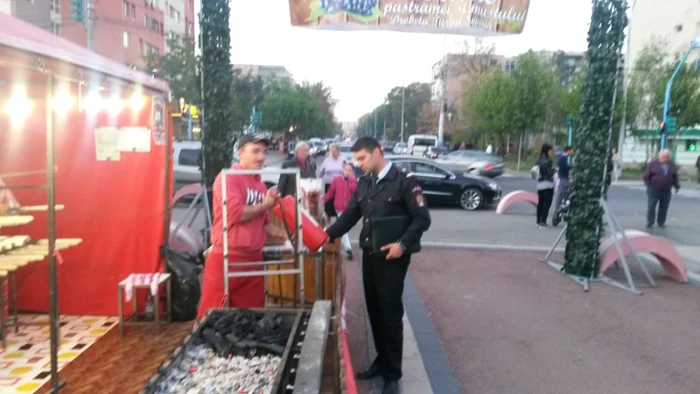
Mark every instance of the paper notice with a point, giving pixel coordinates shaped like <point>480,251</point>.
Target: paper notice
<point>107,143</point>
<point>134,139</point>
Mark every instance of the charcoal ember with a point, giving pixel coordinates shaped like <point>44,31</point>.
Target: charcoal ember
<point>245,333</point>
<point>202,371</point>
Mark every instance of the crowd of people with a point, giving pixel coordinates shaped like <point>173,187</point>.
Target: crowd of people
<point>660,177</point>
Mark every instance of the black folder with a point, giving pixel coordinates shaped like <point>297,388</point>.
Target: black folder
<point>387,230</point>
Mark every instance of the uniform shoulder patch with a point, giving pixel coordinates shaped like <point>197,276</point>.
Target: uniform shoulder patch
<point>420,200</point>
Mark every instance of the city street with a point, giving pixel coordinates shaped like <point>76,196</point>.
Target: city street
<point>515,229</point>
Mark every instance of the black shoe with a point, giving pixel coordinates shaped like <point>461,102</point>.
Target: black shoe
<point>391,387</point>
<point>650,225</point>
<point>370,373</point>
<point>349,254</point>
<point>662,225</point>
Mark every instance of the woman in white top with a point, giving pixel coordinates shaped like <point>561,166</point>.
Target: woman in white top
<point>331,167</point>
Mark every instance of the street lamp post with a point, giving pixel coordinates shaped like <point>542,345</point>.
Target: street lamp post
<point>667,98</point>
<point>403,107</point>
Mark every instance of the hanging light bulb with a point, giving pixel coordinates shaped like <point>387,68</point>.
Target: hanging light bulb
<point>115,104</point>
<point>136,101</point>
<point>18,106</point>
<point>63,101</point>
<point>93,103</point>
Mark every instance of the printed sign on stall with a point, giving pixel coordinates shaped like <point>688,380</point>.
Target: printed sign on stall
<point>468,17</point>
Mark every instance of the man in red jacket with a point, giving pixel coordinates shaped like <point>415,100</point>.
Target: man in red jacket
<point>247,204</point>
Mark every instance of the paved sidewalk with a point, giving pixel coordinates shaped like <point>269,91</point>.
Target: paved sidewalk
<point>511,324</point>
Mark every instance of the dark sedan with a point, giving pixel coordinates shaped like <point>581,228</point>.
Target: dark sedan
<point>444,187</point>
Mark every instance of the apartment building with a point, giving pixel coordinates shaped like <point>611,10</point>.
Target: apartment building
<point>124,30</point>
<point>266,73</point>
<point>677,21</point>
<point>456,70</point>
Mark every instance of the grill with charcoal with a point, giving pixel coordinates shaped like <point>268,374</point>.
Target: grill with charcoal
<point>241,351</point>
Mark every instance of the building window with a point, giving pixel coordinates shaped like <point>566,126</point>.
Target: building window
<point>678,28</point>
<point>126,8</point>
<point>56,28</point>
<point>133,12</point>
<point>175,14</point>
<point>191,4</point>
<point>126,39</point>
<point>142,49</point>
<point>56,6</point>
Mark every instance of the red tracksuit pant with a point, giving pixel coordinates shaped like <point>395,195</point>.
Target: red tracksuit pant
<point>244,292</point>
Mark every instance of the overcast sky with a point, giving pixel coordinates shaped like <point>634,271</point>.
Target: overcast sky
<point>362,67</point>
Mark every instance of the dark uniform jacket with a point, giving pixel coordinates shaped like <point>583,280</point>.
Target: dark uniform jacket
<point>395,194</point>
<point>288,185</point>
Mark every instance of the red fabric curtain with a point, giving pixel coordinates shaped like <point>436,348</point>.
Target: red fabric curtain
<point>116,207</point>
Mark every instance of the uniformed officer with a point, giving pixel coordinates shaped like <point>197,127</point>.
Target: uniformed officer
<point>384,191</point>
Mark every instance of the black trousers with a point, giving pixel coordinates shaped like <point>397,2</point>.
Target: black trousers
<point>663,200</point>
<point>544,202</point>
<point>383,282</point>
<point>328,207</point>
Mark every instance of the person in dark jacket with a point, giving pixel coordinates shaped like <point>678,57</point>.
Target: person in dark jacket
<point>545,184</point>
<point>609,172</point>
<point>563,169</point>
<point>661,175</point>
<point>384,191</point>
<point>301,160</point>
<point>697,165</point>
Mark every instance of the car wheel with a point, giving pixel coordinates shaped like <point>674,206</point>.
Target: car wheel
<point>471,199</point>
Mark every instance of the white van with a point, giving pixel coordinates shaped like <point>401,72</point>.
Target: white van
<point>418,143</point>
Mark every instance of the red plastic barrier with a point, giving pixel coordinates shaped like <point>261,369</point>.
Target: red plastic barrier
<point>314,235</point>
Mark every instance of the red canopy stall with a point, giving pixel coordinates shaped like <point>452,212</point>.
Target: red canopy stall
<point>111,136</point>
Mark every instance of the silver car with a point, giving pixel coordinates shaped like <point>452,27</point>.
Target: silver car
<point>473,161</point>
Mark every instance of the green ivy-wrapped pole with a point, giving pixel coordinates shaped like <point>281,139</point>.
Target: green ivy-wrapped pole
<point>217,82</point>
<point>585,226</point>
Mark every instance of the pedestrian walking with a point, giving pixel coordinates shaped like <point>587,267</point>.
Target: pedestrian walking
<point>331,168</point>
<point>563,173</point>
<point>660,177</point>
<point>609,173</point>
<point>617,165</point>
<point>544,174</point>
<point>287,184</point>
<point>384,193</point>
<point>338,195</point>
<point>247,204</point>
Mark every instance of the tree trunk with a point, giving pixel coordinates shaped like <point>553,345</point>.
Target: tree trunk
<point>520,150</point>
<point>585,225</point>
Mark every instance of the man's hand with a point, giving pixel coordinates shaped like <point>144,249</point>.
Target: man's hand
<point>275,234</point>
<point>270,197</point>
<point>395,251</point>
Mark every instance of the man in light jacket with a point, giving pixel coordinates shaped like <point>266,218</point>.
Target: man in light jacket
<point>661,175</point>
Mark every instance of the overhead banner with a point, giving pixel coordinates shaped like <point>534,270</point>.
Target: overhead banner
<point>468,17</point>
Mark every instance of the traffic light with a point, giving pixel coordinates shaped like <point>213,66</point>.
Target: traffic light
<point>77,8</point>
<point>692,146</point>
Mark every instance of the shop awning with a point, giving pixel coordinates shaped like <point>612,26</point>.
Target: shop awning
<point>52,54</point>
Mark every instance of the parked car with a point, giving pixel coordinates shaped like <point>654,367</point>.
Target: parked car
<point>473,161</point>
<point>433,152</point>
<point>186,164</point>
<point>388,146</point>
<point>401,148</point>
<point>346,152</point>
<point>443,187</point>
<point>418,143</point>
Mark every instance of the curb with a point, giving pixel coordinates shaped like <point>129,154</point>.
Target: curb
<point>509,248</point>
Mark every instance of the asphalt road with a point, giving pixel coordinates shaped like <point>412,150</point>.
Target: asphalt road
<point>516,226</point>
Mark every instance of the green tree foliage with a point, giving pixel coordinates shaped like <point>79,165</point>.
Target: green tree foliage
<point>534,80</point>
<point>416,95</point>
<point>585,226</point>
<point>179,67</point>
<point>488,105</point>
<point>247,92</point>
<point>685,94</point>
<point>295,111</point>
<point>217,142</point>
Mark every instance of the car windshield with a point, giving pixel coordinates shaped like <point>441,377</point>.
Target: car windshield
<point>345,148</point>
<point>424,142</point>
